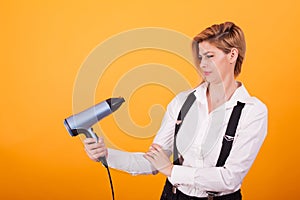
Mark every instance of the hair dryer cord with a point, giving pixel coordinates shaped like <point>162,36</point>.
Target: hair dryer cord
<point>111,184</point>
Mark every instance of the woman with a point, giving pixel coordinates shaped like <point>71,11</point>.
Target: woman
<point>219,52</point>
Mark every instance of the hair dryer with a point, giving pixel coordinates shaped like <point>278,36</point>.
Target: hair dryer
<point>82,122</point>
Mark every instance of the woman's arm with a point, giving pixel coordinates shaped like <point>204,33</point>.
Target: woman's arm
<point>135,163</point>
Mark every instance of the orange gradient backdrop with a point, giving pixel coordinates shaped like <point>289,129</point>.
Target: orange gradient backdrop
<point>44,43</point>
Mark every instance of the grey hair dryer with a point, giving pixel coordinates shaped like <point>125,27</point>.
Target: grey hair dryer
<point>82,122</point>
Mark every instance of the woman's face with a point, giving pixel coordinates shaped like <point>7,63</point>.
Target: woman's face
<point>215,65</point>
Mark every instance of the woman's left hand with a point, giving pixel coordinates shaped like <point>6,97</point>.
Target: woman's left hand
<point>158,158</point>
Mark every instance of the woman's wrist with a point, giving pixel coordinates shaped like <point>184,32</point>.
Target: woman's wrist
<point>168,170</point>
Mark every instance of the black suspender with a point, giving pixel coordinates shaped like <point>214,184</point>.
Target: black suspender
<point>183,111</point>
<point>230,133</point>
<point>228,137</point>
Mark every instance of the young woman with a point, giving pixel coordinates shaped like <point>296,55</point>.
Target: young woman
<point>219,52</point>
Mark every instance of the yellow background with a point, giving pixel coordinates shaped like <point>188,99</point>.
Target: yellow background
<point>43,44</point>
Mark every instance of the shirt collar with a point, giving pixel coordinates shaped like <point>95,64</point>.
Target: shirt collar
<point>200,92</point>
<point>240,94</point>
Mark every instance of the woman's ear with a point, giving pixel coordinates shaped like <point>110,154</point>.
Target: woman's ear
<point>233,55</point>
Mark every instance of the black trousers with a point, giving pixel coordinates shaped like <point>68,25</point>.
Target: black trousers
<point>167,194</point>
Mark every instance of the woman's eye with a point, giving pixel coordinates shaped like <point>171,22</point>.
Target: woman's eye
<point>209,56</point>
<point>200,57</point>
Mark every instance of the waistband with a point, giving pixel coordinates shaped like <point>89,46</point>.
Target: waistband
<point>232,196</point>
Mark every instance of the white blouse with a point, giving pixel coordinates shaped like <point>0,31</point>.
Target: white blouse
<point>199,141</point>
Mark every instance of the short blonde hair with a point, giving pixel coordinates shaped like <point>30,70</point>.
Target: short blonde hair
<point>224,36</point>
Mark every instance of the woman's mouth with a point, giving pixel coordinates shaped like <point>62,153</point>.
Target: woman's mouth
<point>206,73</point>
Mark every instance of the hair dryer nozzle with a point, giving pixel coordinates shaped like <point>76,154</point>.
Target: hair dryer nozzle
<point>115,103</point>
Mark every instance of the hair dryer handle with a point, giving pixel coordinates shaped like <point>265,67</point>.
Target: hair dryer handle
<point>91,134</point>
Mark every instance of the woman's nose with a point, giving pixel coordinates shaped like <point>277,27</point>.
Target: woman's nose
<point>203,63</point>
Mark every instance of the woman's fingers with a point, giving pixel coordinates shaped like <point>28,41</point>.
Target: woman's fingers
<point>156,147</point>
<point>89,140</point>
<point>158,158</point>
<point>95,150</point>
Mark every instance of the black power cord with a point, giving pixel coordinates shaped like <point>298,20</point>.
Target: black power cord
<point>110,181</point>
<point>103,161</point>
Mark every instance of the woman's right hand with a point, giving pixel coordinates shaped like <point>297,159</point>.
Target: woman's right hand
<point>95,150</point>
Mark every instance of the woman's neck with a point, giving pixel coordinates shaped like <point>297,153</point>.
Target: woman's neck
<point>218,94</point>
